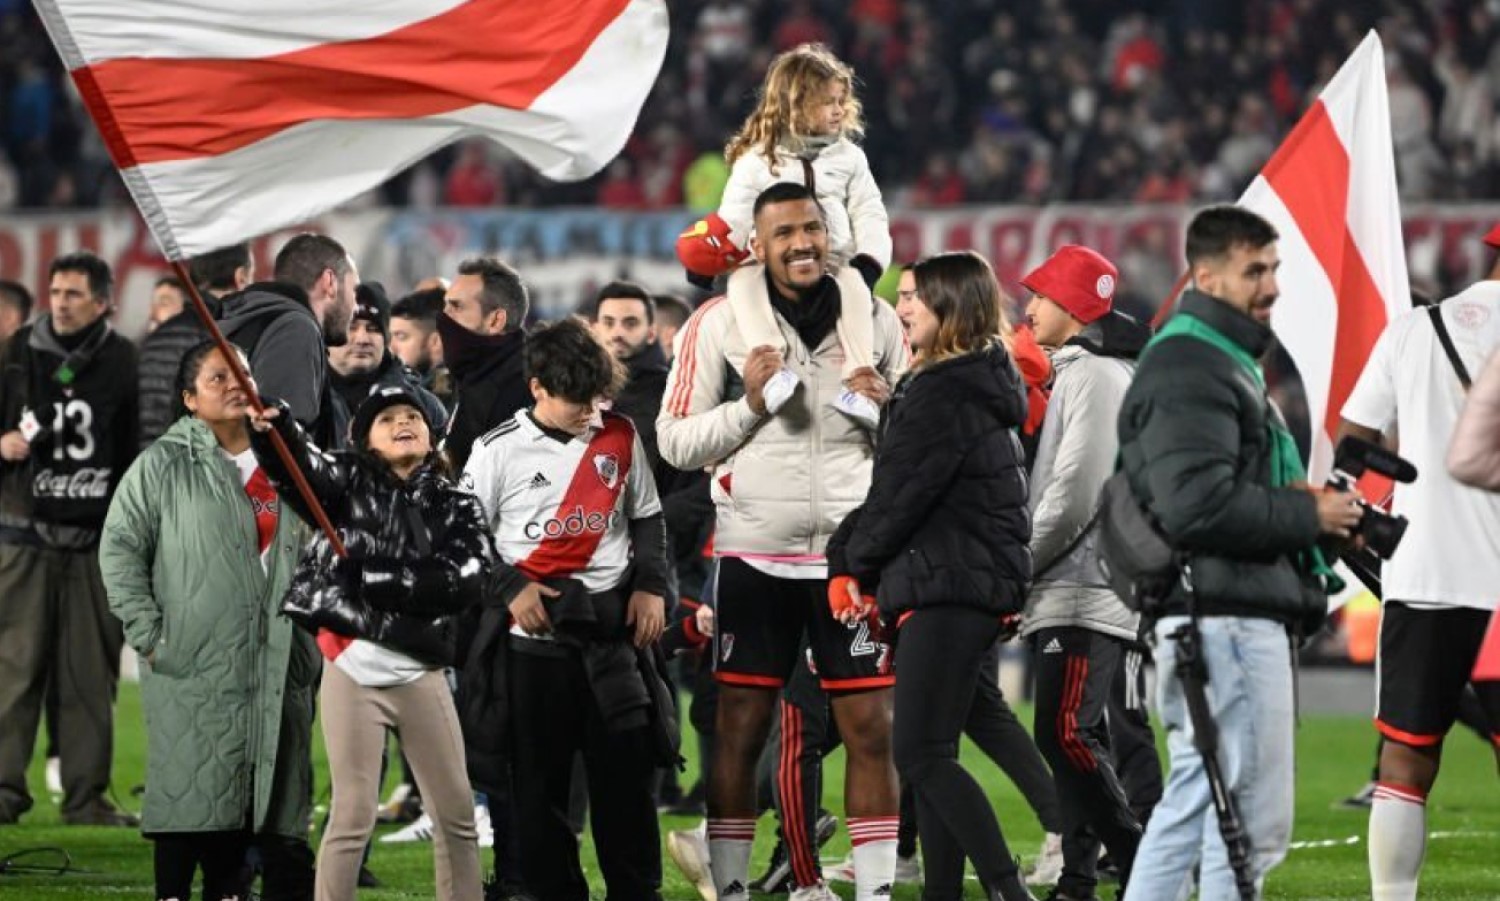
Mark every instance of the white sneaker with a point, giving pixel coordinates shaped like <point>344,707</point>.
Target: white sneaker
<point>420,831</point>
<point>908,870</point>
<point>818,891</point>
<point>843,871</point>
<point>483,826</point>
<point>689,850</point>
<point>858,408</point>
<point>54,778</point>
<point>1049,862</point>
<point>779,389</point>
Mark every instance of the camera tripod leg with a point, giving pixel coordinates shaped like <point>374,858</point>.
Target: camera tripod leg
<point>1192,671</point>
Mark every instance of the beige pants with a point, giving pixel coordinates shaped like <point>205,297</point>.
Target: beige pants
<point>355,718</point>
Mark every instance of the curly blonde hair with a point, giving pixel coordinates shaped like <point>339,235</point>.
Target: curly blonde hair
<point>788,100</point>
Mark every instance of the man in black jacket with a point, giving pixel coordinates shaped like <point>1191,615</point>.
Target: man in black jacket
<point>1211,459</point>
<point>67,434</point>
<point>364,364</point>
<point>624,320</point>
<point>216,274</point>
<point>415,341</point>
<point>286,326</point>
<point>480,327</point>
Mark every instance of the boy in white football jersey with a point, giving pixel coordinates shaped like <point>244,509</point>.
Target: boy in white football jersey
<point>568,494</point>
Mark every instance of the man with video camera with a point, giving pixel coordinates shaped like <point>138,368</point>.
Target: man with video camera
<point>1209,458</point>
<point>1440,584</point>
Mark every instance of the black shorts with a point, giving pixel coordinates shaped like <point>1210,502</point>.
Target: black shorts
<point>1426,658</point>
<point>759,624</point>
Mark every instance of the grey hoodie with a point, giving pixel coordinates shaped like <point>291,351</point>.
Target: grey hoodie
<point>289,359</point>
<point>1075,455</point>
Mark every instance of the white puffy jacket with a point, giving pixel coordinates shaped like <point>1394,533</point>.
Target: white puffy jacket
<point>783,483</point>
<point>841,179</point>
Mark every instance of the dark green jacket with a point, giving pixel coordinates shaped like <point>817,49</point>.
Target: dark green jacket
<point>229,697</point>
<point>1196,447</point>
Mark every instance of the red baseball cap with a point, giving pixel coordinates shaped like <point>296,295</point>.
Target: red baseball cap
<point>1493,238</point>
<point>1077,279</point>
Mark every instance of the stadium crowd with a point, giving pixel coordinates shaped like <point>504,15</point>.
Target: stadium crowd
<point>969,101</point>
<point>510,543</point>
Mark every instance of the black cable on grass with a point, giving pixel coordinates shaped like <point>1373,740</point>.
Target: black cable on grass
<point>60,865</point>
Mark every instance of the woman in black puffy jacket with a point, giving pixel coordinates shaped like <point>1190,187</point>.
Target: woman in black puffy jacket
<point>942,541</point>
<point>384,616</point>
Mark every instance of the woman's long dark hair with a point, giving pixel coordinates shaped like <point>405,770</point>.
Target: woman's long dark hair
<point>187,373</point>
<point>963,294</point>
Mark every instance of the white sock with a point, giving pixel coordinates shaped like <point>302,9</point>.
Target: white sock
<point>1398,841</point>
<point>874,841</point>
<point>729,844</point>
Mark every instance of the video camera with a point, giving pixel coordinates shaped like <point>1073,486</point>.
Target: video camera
<point>1353,458</point>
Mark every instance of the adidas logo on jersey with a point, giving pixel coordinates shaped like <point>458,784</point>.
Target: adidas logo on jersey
<point>539,481</point>
<point>1053,647</point>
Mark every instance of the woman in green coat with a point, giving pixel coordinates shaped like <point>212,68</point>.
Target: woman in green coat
<point>196,554</point>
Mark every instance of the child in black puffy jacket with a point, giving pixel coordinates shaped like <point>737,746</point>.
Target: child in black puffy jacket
<point>384,615</point>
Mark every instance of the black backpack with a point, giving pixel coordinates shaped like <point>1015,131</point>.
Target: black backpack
<point>1135,557</point>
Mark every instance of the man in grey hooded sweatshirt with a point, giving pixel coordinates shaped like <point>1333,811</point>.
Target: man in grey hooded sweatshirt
<point>1081,632</point>
<point>287,325</point>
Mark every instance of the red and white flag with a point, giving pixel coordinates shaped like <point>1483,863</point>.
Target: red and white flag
<point>1330,190</point>
<point>230,119</point>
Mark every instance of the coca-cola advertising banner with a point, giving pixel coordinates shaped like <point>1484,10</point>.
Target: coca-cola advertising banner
<point>565,253</point>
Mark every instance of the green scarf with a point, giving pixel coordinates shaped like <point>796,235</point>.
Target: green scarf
<point>1286,461</point>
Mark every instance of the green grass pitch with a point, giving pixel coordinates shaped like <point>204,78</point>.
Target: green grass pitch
<point>1333,758</point>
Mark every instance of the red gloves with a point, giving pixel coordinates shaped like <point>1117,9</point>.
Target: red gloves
<point>842,591</point>
<point>705,249</point>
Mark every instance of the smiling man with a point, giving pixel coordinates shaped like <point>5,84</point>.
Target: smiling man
<point>364,364</point>
<point>785,475</point>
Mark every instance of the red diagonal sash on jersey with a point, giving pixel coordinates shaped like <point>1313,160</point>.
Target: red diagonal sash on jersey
<point>591,496</point>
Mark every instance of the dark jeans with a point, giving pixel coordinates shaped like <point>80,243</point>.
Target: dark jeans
<point>287,871</point>
<point>995,730</point>
<point>221,856</point>
<point>938,657</point>
<point>554,716</point>
<point>1076,672</point>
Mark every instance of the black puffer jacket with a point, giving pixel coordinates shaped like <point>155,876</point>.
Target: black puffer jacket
<point>945,522</point>
<point>1195,447</point>
<point>419,552</point>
